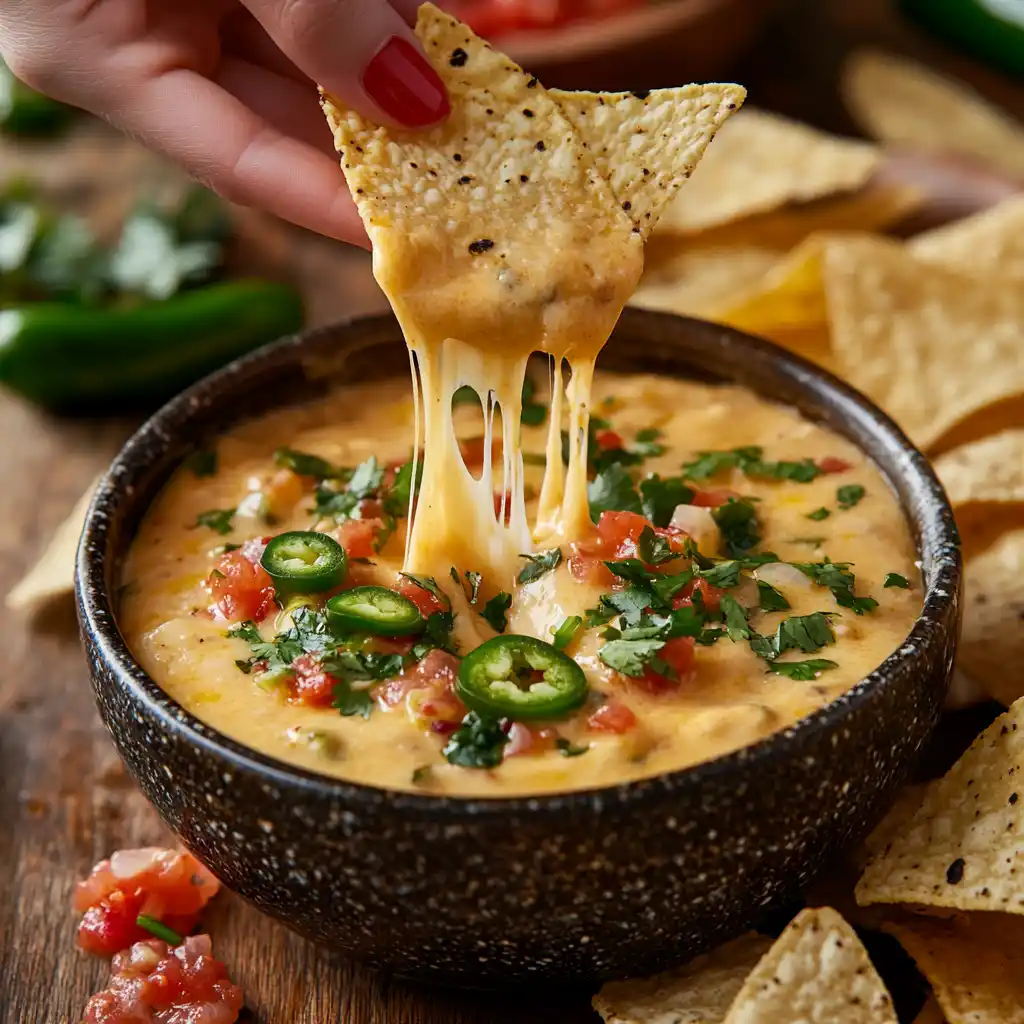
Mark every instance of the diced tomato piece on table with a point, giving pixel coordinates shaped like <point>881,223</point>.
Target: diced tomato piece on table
<point>154,982</point>
<point>168,885</point>
<point>241,588</point>
<point>612,717</point>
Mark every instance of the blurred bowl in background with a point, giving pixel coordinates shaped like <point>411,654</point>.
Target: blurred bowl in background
<point>662,44</point>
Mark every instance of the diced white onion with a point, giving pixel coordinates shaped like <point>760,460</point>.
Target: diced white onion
<point>697,523</point>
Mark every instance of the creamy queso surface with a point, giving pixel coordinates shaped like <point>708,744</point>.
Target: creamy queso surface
<point>196,607</point>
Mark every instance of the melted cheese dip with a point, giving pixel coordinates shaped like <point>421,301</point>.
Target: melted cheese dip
<point>727,701</point>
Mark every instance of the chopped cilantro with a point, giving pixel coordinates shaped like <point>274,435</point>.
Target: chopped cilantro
<point>396,500</point>
<point>805,633</point>
<point>771,600</point>
<point>659,497</point>
<point>803,670</point>
<point>653,549</point>
<point>836,576</point>
<point>350,702</point>
<point>735,619</point>
<point>340,505</point>
<point>540,564</point>
<point>630,657</point>
<point>307,465</point>
<point>217,519</point>
<point>818,514</point>
<point>722,574</point>
<point>477,743</point>
<point>437,635</point>
<point>202,463</point>
<point>612,490</point>
<point>496,611</point>
<point>737,521</point>
<point>849,495</point>
<point>894,579</point>
<point>473,579</point>
<point>750,462</point>
<point>568,749</point>
<point>366,478</point>
<point>647,444</point>
<point>566,632</point>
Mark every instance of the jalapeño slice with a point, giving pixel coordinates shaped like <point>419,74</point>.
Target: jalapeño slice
<point>304,562</point>
<point>520,677</point>
<point>374,610</point>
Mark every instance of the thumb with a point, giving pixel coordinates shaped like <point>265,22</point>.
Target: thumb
<point>360,51</point>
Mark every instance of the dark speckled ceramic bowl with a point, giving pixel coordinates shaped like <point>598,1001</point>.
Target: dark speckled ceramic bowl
<point>583,886</point>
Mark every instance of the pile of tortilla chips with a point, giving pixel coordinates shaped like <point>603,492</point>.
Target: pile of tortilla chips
<point>932,328</point>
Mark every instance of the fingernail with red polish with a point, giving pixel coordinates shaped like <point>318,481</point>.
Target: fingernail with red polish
<point>404,85</point>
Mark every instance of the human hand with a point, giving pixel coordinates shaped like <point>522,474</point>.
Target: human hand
<point>226,88</point>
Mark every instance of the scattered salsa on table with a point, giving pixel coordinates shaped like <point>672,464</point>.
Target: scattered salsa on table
<point>741,568</point>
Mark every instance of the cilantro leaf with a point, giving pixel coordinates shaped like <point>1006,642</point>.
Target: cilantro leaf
<point>540,564</point>
<point>630,657</point>
<point>217,519</point>
<point>894,579</point>
<point>709,464</point>
<point>818,514</point>
<point>647,443</point>
<point>659,497</point>
<point>630,569</point>
<point>396,500</point>
<point>569,749</point>
<point>750,462</point>
<point>202,463</point>
<point>666,587</point>
<point>849,495</point>
<point>722,574</point>
<point>653,549</point>
<point>496,611</point>
<point>612,490</point>
<point>566,632</point>
<point>351,702</point>
<point>366,478</point>
<point>803,670</point>
<point>805,633</point>
<point>436,635</point>
<point>735,619</point>
<point>477,743</point>
<point>771,600</point>
<point>836,576</point>
<point>305,464</point>
<point>737,521</point>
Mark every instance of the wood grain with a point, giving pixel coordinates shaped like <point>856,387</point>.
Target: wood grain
<point>64,799</point>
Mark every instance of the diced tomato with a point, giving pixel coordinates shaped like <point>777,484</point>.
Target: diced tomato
<point>240,587</point>
<point>428,691</point>
<point>713,498</point>
<point>357,536</point>
<point>833,464</point>
<point>678,655</point>
<point>422,598</point>
<point>616,537</point>
<point>169,885</point>
<point>712,595</point>
<point>525,739</point>
<point>609,439</point>
<point>588,567</point>
<point>612,717</point>
<point>152,982</point>
<point>310,684</point>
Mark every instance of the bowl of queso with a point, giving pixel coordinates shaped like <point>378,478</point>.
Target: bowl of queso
<point>590,754</point>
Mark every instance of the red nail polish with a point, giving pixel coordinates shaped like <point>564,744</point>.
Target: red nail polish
<point>404,85</point>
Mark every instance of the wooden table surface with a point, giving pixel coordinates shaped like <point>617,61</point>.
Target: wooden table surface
<point>65,801</point>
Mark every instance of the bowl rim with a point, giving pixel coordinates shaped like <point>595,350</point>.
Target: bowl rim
<point>934,524</point>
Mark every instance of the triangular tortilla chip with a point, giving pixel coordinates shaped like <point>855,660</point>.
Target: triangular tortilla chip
<point>699,993</point>
<point>895,100</point>
<point>990,243</point>
<point>963,846</point>
<point>760,162</point>
<point>647,144</point>
<point>988,470</point>
<point>975,964</point>
<point>992,638</point>
<point>816,973</point>
<point>932,347</point>
<point>53,575</point>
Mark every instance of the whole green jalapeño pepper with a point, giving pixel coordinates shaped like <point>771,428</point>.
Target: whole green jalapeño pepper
<point>304,562</point>
<point>519,677</point>
<point>70,358</point>
<point>374,610</point>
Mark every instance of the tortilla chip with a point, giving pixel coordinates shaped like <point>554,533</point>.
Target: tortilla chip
<point>818,971</point>
<point>930,1013</point>
<point>761,162</point>
<point>990,243</point>
<point>698,281</point>
<point>962,847</point>
<point>992,638</point>
<point>699,993</point>
<point>988,470</point>
<point>975,964</point>
<point>897,101</point>
<point>53,576</point>
<point>932,347</point>
<point>646,145</point>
